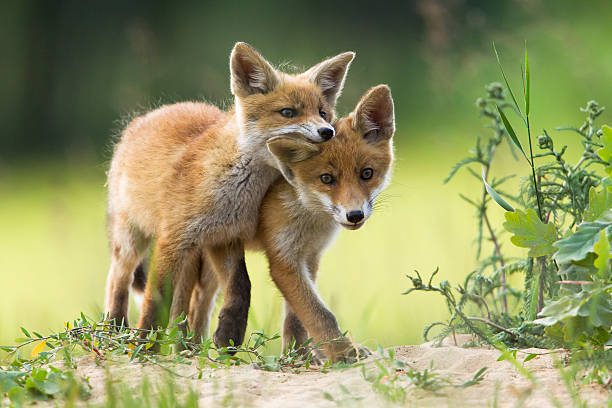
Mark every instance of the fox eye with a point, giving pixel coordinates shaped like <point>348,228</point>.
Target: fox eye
<point>367,174</point>
<point>288,112</point>
<point>323,114</point>
<point>327,178</point>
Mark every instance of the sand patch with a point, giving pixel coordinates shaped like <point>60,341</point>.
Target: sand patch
<point>245,386</point>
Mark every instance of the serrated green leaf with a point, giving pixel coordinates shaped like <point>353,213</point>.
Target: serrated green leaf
<point>562,308</point>
<point>530,232</point>
<point>578,245</point>
<point>495,195</point>
<point>581,316</point>
<point>600,200</point>
<point>578,270</point>
<point>605,152</point>
<point>510,131</point>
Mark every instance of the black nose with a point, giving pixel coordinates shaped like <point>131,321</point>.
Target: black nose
<point>326,133</point>
<point>354,216</point>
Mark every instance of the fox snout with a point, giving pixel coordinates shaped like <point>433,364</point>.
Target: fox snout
<point>354,216</point>
<point>316,132</point>
<point>351,218</point>
<point>326,133</point>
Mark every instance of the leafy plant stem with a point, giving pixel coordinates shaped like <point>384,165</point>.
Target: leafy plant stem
<point>542,262</point>
<point>533,173</point>
<point>533,282</point>
<point>492,324</point>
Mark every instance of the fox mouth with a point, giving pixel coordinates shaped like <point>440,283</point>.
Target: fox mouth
<point>353,226</point>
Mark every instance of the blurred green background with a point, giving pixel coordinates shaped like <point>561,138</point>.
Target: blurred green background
<point>72,71</point>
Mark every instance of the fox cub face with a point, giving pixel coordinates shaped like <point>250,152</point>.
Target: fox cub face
<point>344,176</point>
<point>271,103</point>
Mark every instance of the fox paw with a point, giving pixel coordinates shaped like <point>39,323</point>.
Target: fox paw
<point>230,330</point>
<point>354,354</point>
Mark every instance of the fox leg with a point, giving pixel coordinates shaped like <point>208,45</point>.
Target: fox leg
<point>183,283</point>
<point>203,300</point>
<point>128,245</point>
<point>170,283</point>
<point>294,282</point>
<point>140,281</point>
<point>293,329</point>
<point>292,326</point>
<point>229,265</point>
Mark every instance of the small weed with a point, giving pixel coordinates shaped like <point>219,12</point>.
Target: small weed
<point>39,376</point>
<point>394,378</point>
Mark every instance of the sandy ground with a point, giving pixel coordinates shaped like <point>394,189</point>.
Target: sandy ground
<point>245,386</point>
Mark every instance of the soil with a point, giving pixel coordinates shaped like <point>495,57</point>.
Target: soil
<point>246,386</point>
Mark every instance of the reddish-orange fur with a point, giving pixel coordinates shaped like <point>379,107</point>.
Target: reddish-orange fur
<point>192,177</point>
<point>298,220</point>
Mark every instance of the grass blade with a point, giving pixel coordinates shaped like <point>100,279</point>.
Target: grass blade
<point>527,82</point>
<point>495,196</point>
<point>505,79</point>
<point>510,131</point>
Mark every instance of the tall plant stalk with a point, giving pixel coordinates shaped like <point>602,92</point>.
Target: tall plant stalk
<point>526,77</point>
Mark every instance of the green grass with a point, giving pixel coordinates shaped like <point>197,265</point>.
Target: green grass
<point>55,252</point>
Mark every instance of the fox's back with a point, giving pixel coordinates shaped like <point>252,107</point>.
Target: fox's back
<point>146,157</point>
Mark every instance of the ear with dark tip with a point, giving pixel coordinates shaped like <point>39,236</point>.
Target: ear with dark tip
<point>250,72</point>
<point>374,115</point>
<point>288,150</point>
<point>329,75</point>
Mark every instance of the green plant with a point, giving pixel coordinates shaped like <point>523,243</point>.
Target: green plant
<point>49,369</point>
<point>564,220</point>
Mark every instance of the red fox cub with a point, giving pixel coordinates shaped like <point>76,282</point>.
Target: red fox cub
<point>326,186</point>
<point>193,177</point>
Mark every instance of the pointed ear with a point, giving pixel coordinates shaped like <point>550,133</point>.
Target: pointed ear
<point>288,150</point>
<point>374,115</point>
<point>250,72</point>
<point>329,75</point>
